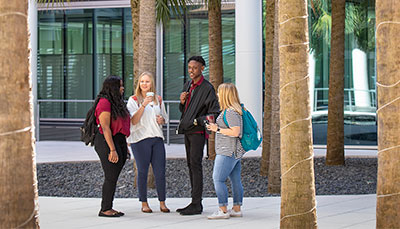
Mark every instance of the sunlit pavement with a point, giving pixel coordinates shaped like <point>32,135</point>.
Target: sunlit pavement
<point>342,211</point>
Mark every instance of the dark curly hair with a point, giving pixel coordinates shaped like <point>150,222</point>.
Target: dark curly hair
<point>111,92</point>
<point>198,59</point>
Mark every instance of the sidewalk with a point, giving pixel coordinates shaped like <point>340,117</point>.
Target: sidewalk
<point>356,211</point>
<point>343,211</point>
<point>61,151</point>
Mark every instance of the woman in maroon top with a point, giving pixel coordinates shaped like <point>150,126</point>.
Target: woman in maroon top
<point>110,141</point>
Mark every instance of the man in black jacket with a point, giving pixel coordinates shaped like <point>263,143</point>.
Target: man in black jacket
<point>198,100</point>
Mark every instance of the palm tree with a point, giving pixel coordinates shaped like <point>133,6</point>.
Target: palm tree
<point>335,135</point>
<point>18,192</point>
<point>298,209</point>
<point>147,36</point>
<point>145,16</point>
<point>135,36</point>
<point>269,48</point>
<point>274,173</point>
<point>216,71</point>
<point>388,84</point>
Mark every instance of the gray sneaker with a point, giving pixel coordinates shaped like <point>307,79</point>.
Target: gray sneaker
<point>233,213</point>
<point>219,215</point>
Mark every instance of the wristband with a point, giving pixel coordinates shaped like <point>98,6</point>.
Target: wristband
<point>218,130</point>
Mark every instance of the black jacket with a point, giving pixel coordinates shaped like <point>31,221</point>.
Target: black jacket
<point>203,102</point>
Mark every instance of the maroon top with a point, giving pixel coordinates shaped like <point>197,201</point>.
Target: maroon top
<point>192,87</point>
<point>121,125</point>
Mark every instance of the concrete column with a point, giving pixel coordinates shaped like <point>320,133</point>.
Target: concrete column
<point>248,58</point>
<point>362,97</point>
<point>33,41</point>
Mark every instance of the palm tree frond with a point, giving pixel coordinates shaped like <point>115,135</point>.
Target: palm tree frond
<point>166,8</point>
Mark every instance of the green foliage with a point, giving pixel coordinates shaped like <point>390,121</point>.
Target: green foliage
<point>361,25</point>
<point>166,8</point>
<point>357,22</point>
<point>321,23</point>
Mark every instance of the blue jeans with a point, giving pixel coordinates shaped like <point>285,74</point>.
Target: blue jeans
<point>146,151</point>
<point>225,167</point>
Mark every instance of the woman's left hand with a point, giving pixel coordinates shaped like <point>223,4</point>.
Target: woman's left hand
<point>212,127</point>
<point>113,156</point>
<point>160,120</point>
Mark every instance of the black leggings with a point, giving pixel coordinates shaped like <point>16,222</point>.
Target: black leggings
<point>111,170</point>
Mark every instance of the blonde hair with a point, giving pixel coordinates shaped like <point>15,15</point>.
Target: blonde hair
<point>138,90</point>
<point>228,97</point>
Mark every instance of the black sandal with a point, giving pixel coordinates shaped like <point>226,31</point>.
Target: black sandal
<point>114,214</point>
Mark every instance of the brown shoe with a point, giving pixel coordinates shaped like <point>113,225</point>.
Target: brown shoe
<point>148,210</point>
<point>165,210</point>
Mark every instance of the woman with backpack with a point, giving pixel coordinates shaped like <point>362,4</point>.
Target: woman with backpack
<point>147,112</point>
<point>229,150</point>
<point>110,141</point>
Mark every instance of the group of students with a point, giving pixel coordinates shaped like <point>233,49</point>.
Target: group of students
<point>139,124</point>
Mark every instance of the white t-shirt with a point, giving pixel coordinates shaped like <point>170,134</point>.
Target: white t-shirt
<point>147,127</point>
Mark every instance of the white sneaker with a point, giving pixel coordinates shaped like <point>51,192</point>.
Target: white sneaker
<point>233,213</point>
<point>219,215</point>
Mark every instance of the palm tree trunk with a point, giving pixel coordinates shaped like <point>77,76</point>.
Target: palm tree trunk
<point>335,135</point>
<point>388,85</point>
<point>269,49</point>
<point>147,36</point>
<point>147,50</point>
<point>298,209</point>
<point>17,170</point>
<point>135,36</point>
<point>274,173</point>
<point>215,56</point>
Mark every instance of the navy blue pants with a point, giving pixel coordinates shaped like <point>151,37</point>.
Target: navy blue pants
<point>146,151</point>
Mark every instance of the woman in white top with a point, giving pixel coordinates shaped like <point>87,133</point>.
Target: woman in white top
<point>148,114</point>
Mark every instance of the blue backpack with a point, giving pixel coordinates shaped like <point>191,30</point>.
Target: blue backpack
<point>251,137</point>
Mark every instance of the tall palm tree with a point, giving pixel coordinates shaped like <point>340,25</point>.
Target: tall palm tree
<point>145,16</point>
<point>135,36</point>
<point>18,192</point>
<point>335,135</point>
<point>274,173</point>
<point>216,70</point>
<point>298,209</point>
<point>269,49</point>
<point>388,84</point>
<point>147,36</point>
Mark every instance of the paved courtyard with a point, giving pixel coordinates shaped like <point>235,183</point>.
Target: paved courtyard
<point>342,211</point>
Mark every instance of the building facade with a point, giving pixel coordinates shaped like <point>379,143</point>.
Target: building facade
<point>81,43</point>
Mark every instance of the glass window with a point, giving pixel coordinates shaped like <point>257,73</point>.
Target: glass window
<point>109,44</point>
<point>359,75</point>
<point>181,42</point>
<point>78,76</point>
<point>128,56</point>
<point>50,63</point>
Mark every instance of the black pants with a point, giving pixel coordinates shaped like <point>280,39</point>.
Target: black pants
<point>194,144</point>
<point>111,170</point>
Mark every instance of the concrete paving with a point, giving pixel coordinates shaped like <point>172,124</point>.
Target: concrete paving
<point>351,211</point>
<point>62,151</point>
<point>342,211</point>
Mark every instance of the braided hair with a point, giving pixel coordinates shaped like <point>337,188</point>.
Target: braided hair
<point>111,91</point>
